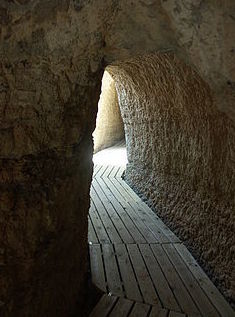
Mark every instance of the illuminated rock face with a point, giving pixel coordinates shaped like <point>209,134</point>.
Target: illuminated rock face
<point>109,125</point>
<point>52,55</point>
<point>181,154</point>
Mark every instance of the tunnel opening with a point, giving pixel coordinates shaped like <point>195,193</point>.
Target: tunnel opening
<point>109,134</point>
<point>181,143</point>
<point>109,124</point>
<point>173,136</point>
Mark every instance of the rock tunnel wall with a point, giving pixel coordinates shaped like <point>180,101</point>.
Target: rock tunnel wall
<point>181,153</point>
<point>52,54</point>
<point>109,125</point>
<point>49,90</point>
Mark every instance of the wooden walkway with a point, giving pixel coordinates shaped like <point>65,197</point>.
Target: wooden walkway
<point>139,263</point>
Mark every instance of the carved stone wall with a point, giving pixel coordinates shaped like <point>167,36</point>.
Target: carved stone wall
<point>181,152</point>
<point>52,55</point>
<point>109,126</point>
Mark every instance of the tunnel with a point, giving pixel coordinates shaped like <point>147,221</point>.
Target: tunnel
<point>171,128</point>
<point>152,79</point>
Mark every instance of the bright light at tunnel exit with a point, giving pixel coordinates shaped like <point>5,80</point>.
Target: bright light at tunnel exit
<point>116,156</point>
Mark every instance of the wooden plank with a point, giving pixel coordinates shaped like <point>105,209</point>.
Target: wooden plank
<point>121,187</point>
<point>104,216</point>
<point>140,310</point>
<point>122,308</point>
<point>146,286</point>
<point>164,291</point>
<point>187,282</point>
<point>184,299</point>
<point>113,278</point>
<point>114,172</point>
<point>148,235</point>
<point>133,196</point>
<point>205,283</point>
<point>128,277</point>
<point>92,238</point>
<point>98,225</point>
<point>120,172</point>
<point>117,221</point>
<point>130,225</point>
<point>102,171</point>
<point>104,306</point>
<point>199,297</point>
<point>144,216</point>
<point>97,267</point>
<point>96,169</point>
<point>108,171</point>
<point>129,191</point>
<point>165,230</point>
<point>164,233</point>
<point>158,312</point>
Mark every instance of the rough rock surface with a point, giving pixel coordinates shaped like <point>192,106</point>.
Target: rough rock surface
<point>200,32</point>
<point>181,153</point>
<point>49,90</point>
<point>51,57</point>
<point>109,125</point>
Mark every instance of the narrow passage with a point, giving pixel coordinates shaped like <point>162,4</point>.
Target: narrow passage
<point>138,262</point>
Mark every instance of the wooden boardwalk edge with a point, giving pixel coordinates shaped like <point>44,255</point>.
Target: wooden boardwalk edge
<point>138,262</point>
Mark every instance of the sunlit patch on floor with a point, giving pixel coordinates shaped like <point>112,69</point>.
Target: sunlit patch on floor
<point>116,156</point>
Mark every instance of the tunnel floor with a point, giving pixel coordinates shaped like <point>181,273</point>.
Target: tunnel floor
<point>136,260</point>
